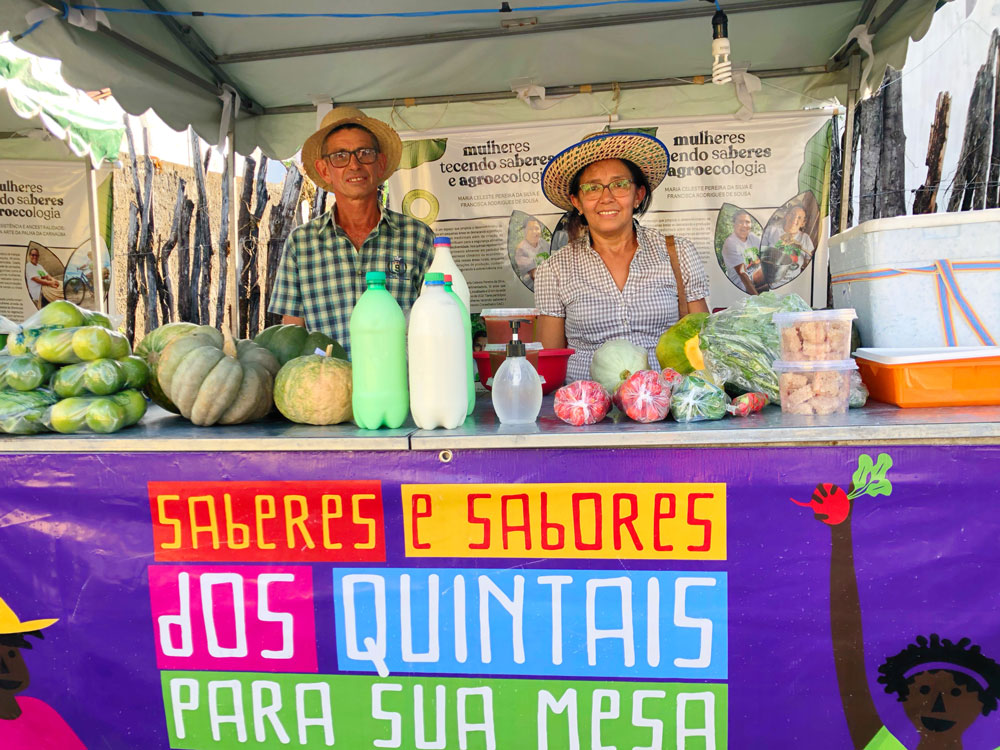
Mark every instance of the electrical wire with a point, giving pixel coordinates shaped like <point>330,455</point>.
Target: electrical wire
<point>504,8</point>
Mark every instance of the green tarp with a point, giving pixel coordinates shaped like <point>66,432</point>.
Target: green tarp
<point>35,90</point>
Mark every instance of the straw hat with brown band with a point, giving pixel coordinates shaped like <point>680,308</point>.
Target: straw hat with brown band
<point>387,138</point>
<point>645,151</point>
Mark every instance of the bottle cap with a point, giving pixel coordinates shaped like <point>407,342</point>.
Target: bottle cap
<point>375,277</point>
<point>442,241</point>
<point>434,278</point>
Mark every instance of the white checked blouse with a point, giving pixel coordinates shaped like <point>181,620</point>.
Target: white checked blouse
<point>575,284</point>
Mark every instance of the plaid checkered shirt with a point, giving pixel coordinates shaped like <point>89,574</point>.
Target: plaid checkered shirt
<point>321,274</point>
<point>575,284</point>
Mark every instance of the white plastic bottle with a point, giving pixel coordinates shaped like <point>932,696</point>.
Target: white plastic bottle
<point>437,358</point>
<point>517,388</point>
<point>445,264</point>
<point>467,322</point>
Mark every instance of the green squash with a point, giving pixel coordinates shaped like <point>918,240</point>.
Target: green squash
<point>151,349</point>
<point>286,342</point>
<point>26,372</point>
<point>679,346</point>
<point>314,389</point>
<point>216,381</point>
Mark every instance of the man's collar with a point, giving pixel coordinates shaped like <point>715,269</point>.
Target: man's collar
<point>385,215</point>
<point>389,218</point>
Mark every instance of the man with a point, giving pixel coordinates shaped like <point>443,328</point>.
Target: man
<point>324,262</point>
<point>733,252</point>
<point>37,277</point>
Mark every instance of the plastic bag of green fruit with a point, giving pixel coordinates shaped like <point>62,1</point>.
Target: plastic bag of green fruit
<point>24,372</point>
<point>21,337</point>
<point>100,414</point>
<point>83,344</point>
<point>23,412</point>
<point>100,377</point>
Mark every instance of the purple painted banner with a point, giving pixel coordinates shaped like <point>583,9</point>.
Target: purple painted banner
<point>537,599</point>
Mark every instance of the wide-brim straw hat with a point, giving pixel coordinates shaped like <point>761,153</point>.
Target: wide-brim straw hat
<point>646,152</point>
<point>11,624</point>
<point>388,141</point>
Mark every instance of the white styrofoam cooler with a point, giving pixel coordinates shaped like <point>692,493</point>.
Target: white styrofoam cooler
<point>905,309</point>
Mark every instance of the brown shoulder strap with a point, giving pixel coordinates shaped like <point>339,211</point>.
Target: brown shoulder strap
<point>675,265</point>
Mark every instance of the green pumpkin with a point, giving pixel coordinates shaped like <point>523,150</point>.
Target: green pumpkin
<point>151,348</point>
<point>314,389</point>
<point>679,346</point>
<point>216,381</point>
<point>286,342</point>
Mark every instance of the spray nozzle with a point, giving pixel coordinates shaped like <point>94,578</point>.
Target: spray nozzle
<point>516,347</point>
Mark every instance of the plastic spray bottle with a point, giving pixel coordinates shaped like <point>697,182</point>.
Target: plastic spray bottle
<point>380,395</point>
<point>517,387</point>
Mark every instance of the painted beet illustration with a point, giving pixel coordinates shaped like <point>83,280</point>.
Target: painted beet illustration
<point>832,505</point>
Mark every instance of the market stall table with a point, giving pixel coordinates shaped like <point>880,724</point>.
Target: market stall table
<point>523,586</point>
<point>876,423</point>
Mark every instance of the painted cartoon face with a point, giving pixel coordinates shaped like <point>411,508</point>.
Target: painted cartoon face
<point>13,671</point>
<point>741,226</point>
<point>937,705</point>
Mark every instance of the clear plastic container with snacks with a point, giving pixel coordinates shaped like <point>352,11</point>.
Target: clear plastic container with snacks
<point>819,388</point>
<point>815,336</point>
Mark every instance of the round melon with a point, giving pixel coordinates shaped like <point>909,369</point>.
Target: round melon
<point>314,389</point>
<point>286,342</point>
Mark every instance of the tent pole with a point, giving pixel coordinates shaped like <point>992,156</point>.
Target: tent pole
<point>95,239</point>
<point>233,268</point>
<point>847,156</point>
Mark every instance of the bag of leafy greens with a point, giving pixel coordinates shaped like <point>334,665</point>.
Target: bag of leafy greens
<point>741,343</point>
<point>696,400</point>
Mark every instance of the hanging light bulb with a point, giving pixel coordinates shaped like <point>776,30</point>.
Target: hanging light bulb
<point>722,66</point>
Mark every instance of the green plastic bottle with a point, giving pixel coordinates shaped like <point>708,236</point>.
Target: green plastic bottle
<point>471,365</point>
<point>380,395</point>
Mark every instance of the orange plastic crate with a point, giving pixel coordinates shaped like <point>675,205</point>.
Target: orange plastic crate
<point>951,382</point>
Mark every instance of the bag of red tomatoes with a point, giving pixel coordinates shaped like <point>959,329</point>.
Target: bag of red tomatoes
<point>582,402</point>
<point>645,396</point>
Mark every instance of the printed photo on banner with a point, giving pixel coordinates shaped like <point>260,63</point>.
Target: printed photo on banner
<point>737,248</point>
<point>789,240</point>
<point>528,245</point>
<point>482,189</point>
<point>45,230</point>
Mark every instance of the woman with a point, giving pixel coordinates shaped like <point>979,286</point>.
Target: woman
<point>791,234</point>
<point>613,279</point>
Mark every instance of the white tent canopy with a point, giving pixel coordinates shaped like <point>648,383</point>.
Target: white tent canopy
<point>458,67</point>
